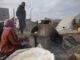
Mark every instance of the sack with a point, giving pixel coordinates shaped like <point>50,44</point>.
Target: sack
<point>32,54</point>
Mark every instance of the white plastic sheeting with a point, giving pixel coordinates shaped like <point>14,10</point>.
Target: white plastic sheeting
<point>32,54</point>
<point>65,24</point>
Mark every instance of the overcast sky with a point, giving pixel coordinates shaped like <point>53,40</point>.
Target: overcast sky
<point>45,8</point>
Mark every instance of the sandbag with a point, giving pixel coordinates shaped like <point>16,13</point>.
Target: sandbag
<point>32,54</point>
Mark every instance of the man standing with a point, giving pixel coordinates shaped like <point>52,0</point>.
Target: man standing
<point>21,15</point>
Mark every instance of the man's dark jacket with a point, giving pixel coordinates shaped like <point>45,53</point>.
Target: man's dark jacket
<point>21,14</point>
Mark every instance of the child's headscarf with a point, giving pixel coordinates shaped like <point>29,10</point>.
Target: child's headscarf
<point>9,23</point>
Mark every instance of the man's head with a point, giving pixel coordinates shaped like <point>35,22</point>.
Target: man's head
<point>23,3</point>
